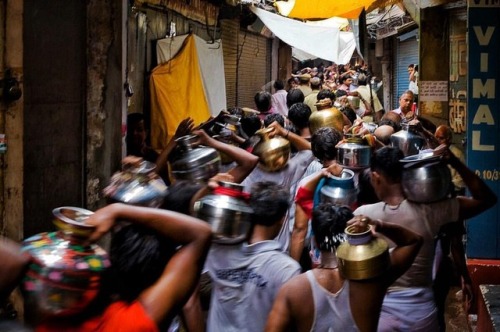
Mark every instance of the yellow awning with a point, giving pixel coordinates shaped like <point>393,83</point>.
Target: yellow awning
<point>321,9</point>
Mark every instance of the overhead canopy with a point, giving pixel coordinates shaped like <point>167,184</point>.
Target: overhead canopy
<point>318,9</point>
<point>322,39</point>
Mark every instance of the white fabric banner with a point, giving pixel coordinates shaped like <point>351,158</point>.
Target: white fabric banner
<point>211,63</point>
<point>323,39</point>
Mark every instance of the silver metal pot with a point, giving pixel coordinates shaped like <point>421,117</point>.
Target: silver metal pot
<point>426,181</point>
<point>338,190</point>
<point>227,212</point>
<point>195,163</point>
<point>353,154</point>
<point>407,140</point>
<point>136,185</point>
<point>354,101</point>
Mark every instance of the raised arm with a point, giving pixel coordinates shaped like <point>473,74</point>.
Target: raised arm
<point>182,272</point>
<point>245,160</point>
<point>482,198</point>
<point>184,128</point>
<point>299,142</point>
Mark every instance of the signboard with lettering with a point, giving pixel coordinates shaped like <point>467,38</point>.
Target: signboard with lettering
<point>483,138</point>
<point>433,90</point>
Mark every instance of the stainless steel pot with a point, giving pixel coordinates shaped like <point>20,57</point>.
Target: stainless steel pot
<point>407,140</point>
<point>337,190</point>
<point>354,101</point>
<point>195,163</point>
<point>136,185</point>
<point>227,212</point>
<point>426,181</point>
<point>354,154</point>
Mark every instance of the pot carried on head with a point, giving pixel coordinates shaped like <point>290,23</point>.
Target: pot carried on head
<point>330,117</point>
<point>273,152</point>
<point>195,163</point>
<point>354,153</point>
<point>137,184</point>
<point>362,256</point>
<point>407,140</point>
<point>227,211</point>
<point>65,273</point>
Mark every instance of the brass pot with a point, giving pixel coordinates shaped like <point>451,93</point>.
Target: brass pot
<point>362,256</point>
<point>273,152</point>
<point>330,117</point>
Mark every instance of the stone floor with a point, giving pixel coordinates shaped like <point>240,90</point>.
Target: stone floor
<point>456,318</point>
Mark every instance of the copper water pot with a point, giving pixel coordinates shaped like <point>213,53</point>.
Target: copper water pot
<point>330,117</point>
<point>362,256</point>
<point>273,152</point>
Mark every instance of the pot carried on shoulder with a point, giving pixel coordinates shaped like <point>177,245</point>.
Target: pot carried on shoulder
<point>426,178</point>
<point>339,190</point>
<point>362,256</point>
<point>227,211</point>
<point>65,274</point>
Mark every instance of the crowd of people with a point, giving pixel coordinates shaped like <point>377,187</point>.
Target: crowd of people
<point>285,276</point>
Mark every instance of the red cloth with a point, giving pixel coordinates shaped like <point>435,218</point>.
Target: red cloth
<point>304,199</point>
<point>118,317</point>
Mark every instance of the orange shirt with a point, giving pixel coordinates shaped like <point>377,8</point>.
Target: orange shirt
<point>118,317</point>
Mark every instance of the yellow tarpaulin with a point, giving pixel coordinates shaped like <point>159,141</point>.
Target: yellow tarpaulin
<point>321,9</point>
<point>176,93</point>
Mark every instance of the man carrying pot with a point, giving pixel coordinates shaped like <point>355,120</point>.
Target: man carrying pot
<point>409,303</point>
<point>247,276</point>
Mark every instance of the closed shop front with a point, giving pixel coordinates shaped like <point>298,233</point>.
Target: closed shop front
<point>247,63</point>
<point>406,53</point>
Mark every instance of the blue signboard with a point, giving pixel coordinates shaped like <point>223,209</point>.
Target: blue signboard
<point>483,117</point>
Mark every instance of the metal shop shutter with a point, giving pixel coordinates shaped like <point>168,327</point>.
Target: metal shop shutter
<point>229,35</point>
<point>254,66</point>
<point>406,54</point>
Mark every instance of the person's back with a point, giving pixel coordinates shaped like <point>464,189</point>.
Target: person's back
<point>247,277</point>
<point>409,303</point>
<point>279,98</point>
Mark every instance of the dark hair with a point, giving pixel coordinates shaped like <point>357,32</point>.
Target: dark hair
<point>179,196</point>
<point>328,224</point>
<point>269,202</point>
<point>325,93</point>
<point>386,161</point>
<point>323,143</point>
<point>340,93</point>
<point>250,124</point>
<point>349,113</point>
<point>262,101</point>
<point>279,85</point>
<point>299,115</point>
<point>138,257</point>
<point>294,96</point>
<point>270,118</point>
<point>238,111</point>
<point>389,122</point>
